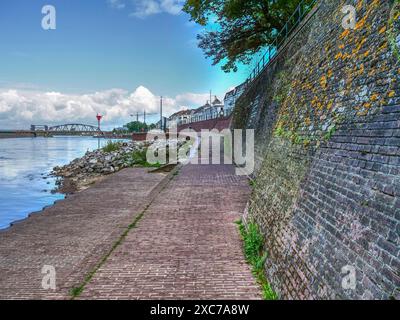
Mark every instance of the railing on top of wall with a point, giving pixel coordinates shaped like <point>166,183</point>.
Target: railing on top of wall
<point>293,22</point>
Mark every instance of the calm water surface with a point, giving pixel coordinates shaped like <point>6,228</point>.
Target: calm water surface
<point>25,164</point>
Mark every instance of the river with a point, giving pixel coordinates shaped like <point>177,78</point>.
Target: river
<point>25,164</point>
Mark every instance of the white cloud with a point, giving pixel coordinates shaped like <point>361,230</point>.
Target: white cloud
<point>116,4</point>
<point>145,8</point>
<point>172,6</point>
<point>21,108</point>
<point>187,99</point>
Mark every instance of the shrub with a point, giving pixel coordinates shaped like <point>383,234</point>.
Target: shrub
<point>253,247</point>
<point>111,146</point>
<point>139,158</point>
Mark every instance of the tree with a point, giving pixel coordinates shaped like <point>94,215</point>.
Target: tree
<point>243,27</point>
<point>152,126</point>
<point>136,126</point>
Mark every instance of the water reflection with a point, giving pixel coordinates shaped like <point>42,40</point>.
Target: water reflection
<point>25,164</point>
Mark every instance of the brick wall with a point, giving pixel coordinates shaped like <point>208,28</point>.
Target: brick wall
<point>141,136</point>
<point>326,115</point>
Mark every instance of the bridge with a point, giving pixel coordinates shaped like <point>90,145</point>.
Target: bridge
<point>60,130</point>
<point>67,129</point>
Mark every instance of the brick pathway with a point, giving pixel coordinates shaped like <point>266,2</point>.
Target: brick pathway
<point>72,235</point>
<point>186,246</point>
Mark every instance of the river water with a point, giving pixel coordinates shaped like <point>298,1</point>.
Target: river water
<point>25,164</point>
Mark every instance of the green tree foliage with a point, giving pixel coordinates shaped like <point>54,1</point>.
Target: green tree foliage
<point>244,27</point>
<point>137,126</point>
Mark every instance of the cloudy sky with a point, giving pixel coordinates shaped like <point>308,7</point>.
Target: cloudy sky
<point>115,57</point>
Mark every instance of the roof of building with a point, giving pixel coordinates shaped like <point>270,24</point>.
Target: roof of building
<point>234,91</point>
<point>180,113</point>
<point>216,101</point>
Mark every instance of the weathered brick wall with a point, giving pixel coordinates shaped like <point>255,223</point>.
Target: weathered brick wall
<point>326,114</point>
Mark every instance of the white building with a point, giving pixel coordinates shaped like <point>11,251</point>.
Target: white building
<point>208,111</point>
<point>231,98</point>
<point>179,118</point>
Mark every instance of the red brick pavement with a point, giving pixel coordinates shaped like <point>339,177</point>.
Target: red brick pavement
<point>73,235</point>
<point>186,246</point>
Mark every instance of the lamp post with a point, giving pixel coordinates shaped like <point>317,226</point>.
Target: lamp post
<point>99,117</point>
<point>161,116</point>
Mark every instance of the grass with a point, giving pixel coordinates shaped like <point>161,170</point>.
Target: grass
<point>252,183</point>
<point>253,247</point>
<point>111,146</point>
<point>391,32</point>
<point>76,291</point>
<point>330,133</point>
<point>139,158</point>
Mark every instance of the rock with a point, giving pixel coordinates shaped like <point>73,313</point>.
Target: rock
<point>98,163</point>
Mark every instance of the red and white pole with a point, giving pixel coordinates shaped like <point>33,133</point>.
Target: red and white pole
<point>99,117</point>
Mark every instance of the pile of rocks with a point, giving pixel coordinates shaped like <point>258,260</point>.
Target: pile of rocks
<point>84,171</point>
<point>95,164</point>
<point>99,162</point>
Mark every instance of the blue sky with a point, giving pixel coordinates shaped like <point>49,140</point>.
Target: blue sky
<point>100,46</point>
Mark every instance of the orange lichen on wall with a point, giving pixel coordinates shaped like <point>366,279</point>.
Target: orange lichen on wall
<point>374,97</point>
<point>345,33</point>
<point>359,4</point>
<point>338,56</point>
<point>383,46</point>
<point>375,4</point>
<point>382,30</point>
<point>391,94</point>
<point>323,81</point>
<point>361,23</point>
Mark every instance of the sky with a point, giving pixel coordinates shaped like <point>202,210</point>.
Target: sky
<point>115,57</point>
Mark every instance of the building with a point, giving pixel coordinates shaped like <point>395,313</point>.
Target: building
<point>208,111</point>
<point>205,112</point>
<point>180,117</point>
<point>231,98</point>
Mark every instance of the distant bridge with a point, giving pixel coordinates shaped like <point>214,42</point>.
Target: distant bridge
<point>71,129</point>
<point>66,129</point>
<point>75,127</point>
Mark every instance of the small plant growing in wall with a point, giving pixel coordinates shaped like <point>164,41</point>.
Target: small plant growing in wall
<point>330,133</point>
<point>283,87</point>
<point>393,33</point>
<point>253,247</point>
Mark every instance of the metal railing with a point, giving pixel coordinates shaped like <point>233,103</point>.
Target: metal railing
<point>206,116</point>
<point>293,22</point>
